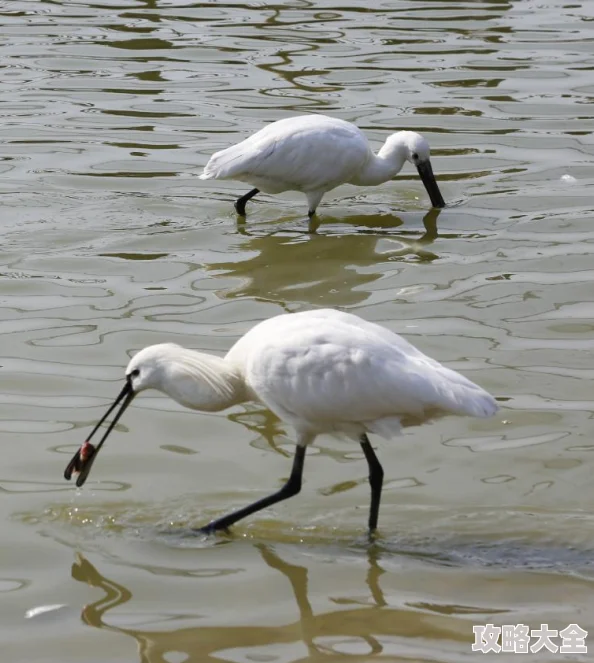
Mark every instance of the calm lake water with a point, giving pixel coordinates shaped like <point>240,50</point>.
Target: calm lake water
<point>110,242</point>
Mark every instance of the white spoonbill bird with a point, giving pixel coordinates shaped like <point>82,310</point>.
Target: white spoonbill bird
<point>315,154</point>
<point>321,371</point>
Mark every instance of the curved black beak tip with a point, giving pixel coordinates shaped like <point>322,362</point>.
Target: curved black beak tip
<point>428,178</point>
<point>82,477</point>
<point>83,459</point>
<point>73,466</point>
<point>81,466</point>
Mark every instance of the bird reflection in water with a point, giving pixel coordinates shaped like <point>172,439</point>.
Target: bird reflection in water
<point>363,619</point>
<point>338,267</point>
<point>377,224</point>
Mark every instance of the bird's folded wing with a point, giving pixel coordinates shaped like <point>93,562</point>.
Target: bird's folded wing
<point>348,376</point>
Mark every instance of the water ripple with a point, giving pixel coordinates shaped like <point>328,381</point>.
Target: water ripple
<point>110,242</point>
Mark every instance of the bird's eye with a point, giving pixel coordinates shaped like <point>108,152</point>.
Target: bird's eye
<point>133,374</point>
<point>415,156</point>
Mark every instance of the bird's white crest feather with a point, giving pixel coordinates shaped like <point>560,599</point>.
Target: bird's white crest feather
<point>194,379</point>
<point>322,371</point>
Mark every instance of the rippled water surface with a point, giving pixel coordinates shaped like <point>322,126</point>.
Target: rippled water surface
<point>110,242</point>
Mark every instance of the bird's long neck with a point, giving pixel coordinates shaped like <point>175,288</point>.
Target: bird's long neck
<point>205,382</point>
<point>381,167</point>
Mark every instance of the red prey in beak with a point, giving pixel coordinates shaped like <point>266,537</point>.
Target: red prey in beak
<point>82,461</point>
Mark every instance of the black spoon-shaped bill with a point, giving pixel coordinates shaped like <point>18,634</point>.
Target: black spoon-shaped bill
<point>83,459</point>
<point>428,178</point>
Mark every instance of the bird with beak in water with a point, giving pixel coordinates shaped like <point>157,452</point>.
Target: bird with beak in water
<point>316,153</point>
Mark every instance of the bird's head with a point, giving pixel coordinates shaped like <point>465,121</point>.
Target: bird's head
<point>193,379</point>
<point>146,370</point>
<point>415,149</point>
<point>149,367</point>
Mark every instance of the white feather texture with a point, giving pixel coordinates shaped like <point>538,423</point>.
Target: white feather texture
<point>195,379</point>
<point>321,371</point>
<point>278,158</point>
<point>314,154</point>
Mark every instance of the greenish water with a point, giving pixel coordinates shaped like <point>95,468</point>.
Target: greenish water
<point>110,242</point>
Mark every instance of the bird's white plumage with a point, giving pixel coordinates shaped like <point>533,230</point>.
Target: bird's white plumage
<point>327,371</point>
<point>303,153</point>
<point>321,371</point>
<point>314,154</point>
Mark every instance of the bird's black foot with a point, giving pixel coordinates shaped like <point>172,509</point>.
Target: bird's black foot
<point>210,529</point>
<point>313,224</point>
<point>372,535</point>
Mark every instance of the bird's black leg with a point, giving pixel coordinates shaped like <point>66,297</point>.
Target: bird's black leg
<point>376,478</point>
<point>240,202</point>
<point>292,487</point>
